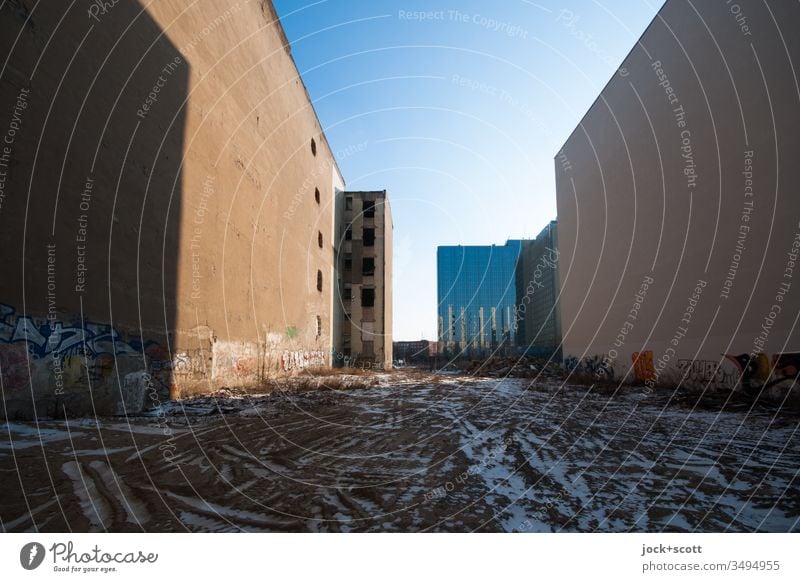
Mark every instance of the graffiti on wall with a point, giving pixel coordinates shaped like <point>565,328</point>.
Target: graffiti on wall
<point>85,353</point>
<point>81,353</point>
<point>758,372</point>
<point>189,363</point>
<point>706,372</point>
<point>785,366</point>
<point>237,360</point>
<point>643,368</point>
<point>755,372</point>
<point>44,338</point>
<point>598,366</point>
<point>300,360</point>
<point>14,366</point>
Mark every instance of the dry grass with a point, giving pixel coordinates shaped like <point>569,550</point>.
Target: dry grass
<point>319,383</point>
<point>334,384</point>
<point>309,380</point>
<point>317,372</point>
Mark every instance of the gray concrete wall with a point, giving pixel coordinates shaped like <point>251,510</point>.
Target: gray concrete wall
<point>677,203</point>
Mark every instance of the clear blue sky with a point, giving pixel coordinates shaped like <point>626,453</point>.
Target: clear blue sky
<point>458,115</point>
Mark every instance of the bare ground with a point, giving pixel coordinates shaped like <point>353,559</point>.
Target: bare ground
<point>407,451</point>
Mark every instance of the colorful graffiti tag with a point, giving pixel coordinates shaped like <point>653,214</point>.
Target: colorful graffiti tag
<point>85,353</point>
<point>753,373</point>
<point>643,368</point>
<point>758,372</point>
<point>599,366</point>
<point>706,373</point>
<point>81,353</point>
<point>43,338</point>
<point>300,360</point>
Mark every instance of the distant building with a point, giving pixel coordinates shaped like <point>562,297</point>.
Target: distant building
<point>364,281</point>
<point>539,325</point>
<point>477,298</point>
<point>414,352</point>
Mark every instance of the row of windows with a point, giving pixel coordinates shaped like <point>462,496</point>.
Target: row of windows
<point>367,235</point>
<point>367,265</point>
<point>368,207</point>
<point>320,240</point>
<point>367,269</point>
<point>367,296</point>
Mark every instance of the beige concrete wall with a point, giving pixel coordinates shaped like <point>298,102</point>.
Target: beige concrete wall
<point>261,255</point>
<point>169,163</point>
<point>677,203</point>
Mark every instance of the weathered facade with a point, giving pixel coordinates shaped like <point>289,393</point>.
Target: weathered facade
<point>167,205</point>
<point>678,208</point>
<point>365,280</point>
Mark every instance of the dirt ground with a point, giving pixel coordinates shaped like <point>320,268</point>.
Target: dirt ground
<point>414,452</point>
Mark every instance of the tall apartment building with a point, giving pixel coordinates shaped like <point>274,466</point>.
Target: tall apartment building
<point>678,206</point>
<point>364,305</point>
<point>477,299</point>
<point>539,324</point>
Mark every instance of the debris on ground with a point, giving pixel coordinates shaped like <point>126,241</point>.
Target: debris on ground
<point>514,367</point>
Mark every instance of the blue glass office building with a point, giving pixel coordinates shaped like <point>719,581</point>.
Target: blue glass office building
<point>477,298</point>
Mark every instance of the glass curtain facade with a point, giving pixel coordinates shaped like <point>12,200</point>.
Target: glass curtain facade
<point>477,298</point>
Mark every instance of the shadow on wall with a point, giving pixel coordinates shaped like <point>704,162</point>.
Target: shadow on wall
<point>92,123</point>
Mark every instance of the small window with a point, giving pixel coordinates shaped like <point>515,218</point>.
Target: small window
<point>319,280</point>
<point>319,239</point>
<point>347,294</point>
<point>348,316</point>
<point>348,203</point>
<point>348,233</point>
<point>313,147</point>
<point>316,195</point>
<point>369,208</point>
<point>348,262</point>
<point>319,326</point>
<point>368,237</point>
<point>368,266</point>
<point>367,297</point>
